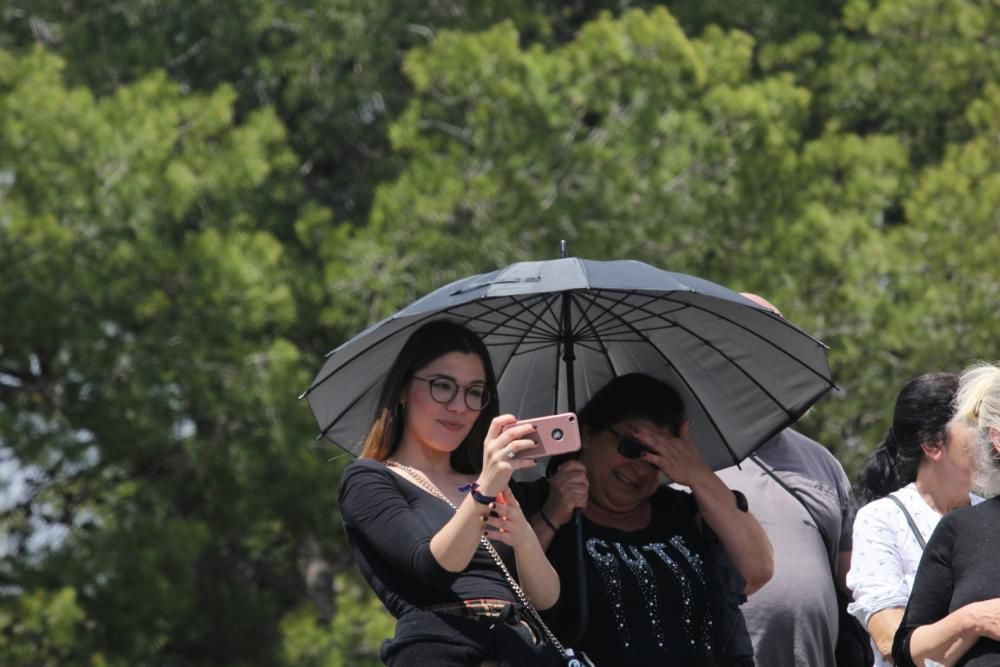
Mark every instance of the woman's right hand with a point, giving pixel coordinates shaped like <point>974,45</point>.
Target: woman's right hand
<point>568,489</point>
<point>985,617</point>
<point>498,466</point>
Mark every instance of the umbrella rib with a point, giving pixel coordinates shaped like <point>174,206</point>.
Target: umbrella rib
<point>317,383</point>
<point>521,334</point>
<point>779,320</point>
<point>546,301</point>
<point>612,325</point>
<point>740,368</point>
<point>517,345</point>
<point>560,343</point>
<point>770,343</point>
<point>326,429</point>
<point>525,307</point>
<point>691,391</point>
<point>601,347</point>
<point>738,325</point>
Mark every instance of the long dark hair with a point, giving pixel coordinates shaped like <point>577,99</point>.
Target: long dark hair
<point>634,396</point>
<point>923,409</point>
<point>431,341</point>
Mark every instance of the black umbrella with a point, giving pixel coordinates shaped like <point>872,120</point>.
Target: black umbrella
<point>558,330</point>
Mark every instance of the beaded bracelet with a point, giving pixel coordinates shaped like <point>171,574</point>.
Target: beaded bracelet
<point>472,488</point>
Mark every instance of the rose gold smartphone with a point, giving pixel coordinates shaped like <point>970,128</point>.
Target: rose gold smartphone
<point>554,434</point>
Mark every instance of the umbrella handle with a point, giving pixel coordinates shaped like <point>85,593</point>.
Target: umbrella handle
<point>581,579</point>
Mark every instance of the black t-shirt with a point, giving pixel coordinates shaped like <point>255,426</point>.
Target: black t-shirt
<point>647,590</point>
<point>390,523</point>
<point>958,567</point>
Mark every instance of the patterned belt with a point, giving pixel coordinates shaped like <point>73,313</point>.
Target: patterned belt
<point>473,608</point>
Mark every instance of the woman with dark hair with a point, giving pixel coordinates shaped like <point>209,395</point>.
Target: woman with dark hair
<point>428,511</point>
<point>921,472</point>
<point>659,562</point>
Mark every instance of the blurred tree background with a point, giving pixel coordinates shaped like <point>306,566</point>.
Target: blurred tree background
<point>199,199</point>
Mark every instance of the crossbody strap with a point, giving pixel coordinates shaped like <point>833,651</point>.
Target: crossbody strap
<point>909,520</point>
<point>831,547</point>
<point>429,486</point>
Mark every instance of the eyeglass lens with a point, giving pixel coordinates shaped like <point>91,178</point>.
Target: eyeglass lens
<point>444,390</point>
<point>628,446</point>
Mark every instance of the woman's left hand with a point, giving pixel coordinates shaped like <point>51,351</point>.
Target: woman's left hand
<point>506,522</point>
<point>674,455</point>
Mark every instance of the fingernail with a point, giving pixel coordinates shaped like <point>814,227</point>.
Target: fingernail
<point>484,517</point>
<point>493,506</point>
<point>486,533</point>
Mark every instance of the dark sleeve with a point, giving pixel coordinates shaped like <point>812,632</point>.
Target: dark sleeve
<point>374,509</point>
<point>530,495</point>
<point>932,590</point>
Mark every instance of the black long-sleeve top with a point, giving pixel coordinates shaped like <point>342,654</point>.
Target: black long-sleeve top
<point>390,523</point>
<point>958,567</point>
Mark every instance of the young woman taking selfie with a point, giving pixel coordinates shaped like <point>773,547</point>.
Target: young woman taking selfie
<point>432,521</point>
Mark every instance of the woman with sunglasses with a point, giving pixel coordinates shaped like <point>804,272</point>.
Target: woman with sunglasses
<point>655,582</point>
<point>427,510</point>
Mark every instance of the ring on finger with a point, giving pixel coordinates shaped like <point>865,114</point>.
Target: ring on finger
<point>509,453</point>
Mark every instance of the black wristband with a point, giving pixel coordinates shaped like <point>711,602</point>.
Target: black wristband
<point>548,523</point>
<point>741,501</point>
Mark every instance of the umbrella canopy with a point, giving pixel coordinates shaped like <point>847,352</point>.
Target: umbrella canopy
<point>559,330</point>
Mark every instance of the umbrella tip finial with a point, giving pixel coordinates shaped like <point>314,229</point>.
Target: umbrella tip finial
<point>563,251</point>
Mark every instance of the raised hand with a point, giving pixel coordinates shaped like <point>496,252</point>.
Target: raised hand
<point>674,455</point>
<point>500,451</point>
<point>505,521</point>
<point>568,489</point>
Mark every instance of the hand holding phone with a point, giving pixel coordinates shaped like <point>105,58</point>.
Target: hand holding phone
<point>553,434</point>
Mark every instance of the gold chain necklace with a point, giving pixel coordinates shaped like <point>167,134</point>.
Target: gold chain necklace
<point>421,479</point>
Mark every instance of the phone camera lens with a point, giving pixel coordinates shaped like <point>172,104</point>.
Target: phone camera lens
<point>557,434</point>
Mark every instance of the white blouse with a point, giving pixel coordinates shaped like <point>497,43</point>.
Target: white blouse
<point>886,554</point>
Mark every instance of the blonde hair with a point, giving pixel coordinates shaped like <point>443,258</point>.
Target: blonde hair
<point>977,404</point>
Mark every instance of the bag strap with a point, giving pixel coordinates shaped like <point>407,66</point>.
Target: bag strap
<point>429,486</point>
<point>909,520</point>
<point>831,546</point>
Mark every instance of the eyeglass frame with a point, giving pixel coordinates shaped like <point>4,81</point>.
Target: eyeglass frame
<point>488,395</point>
<point>625,440</point>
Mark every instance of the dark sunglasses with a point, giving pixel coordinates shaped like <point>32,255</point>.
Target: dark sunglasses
<point>628,446</point>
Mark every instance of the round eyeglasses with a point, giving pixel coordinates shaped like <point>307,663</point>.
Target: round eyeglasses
<point>444,390</point>
<point>629,447</point>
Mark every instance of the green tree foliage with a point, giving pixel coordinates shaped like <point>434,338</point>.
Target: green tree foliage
<point>147,375</point>
<point>911,67</point>
<point>635,140</point>
<point>198,199</point>
<point>949,250</point>
<point>330,70</point>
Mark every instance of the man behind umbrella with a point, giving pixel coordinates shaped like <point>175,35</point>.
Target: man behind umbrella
<point>802,497</point>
